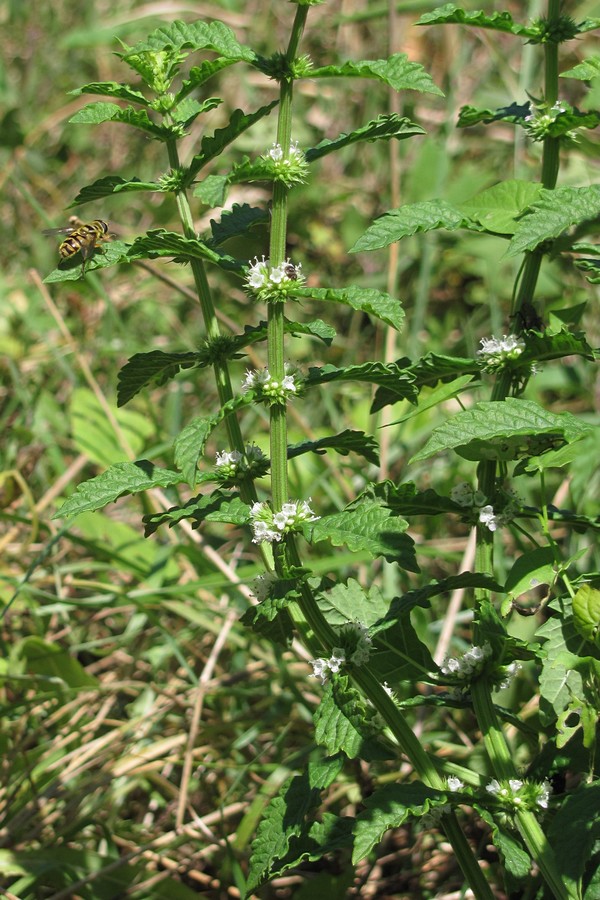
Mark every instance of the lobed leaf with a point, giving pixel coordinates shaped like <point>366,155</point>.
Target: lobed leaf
<point>236,222</point>
<point>368,526</point>
<point>199,35</point>
<point>398,72</point>
<point>397,380</point>
<point>385,127</point>
<point>159,242</point>
<point>97,113</point>
<point>427,215</point>
<point>216,506</point>
<point>212,190</point>
<point>120,479</point>
<point>344,724</point>
<point>554,213</point>
<point>451,14</point>
<point>368,300</point>
<point>198,75</point>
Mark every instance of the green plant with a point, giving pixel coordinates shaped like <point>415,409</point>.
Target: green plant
<point>368,653</point>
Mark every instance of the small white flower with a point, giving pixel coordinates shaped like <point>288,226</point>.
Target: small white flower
<point>488,518</point>
<point>320,668</point>
<point>262,584</point>
<point>544,792</point>
<point>276,153</point>
<point>493,787</point>
<point>454,783</point>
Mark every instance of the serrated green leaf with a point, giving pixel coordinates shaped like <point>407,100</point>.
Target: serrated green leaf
<point>586,613</point>
<point>376,303</point>
<point>112,184</point>
<point>554,213</point>
<point>426,215</point>
<point>390,807</point>
<point>344,443</point>
<point>109,254</point>
<point>236,222</point>
<point>120,479</point>
<point>503,430</point>
<point>199,35</point>
<point>97,113</point>
<point>516,114</point>
<point>198,75</point>
<point>433,399</point>
<point>400,606</point>
<point>159,242</point>
<point>573,833</point>
<point>498,207</point>
<point>397,380</point>
<point>112,89</point>
<point>213,145</point>
<point>451,14</point>
<point>189,109</point>
<point>342,723</point>
<point>385,127</point>
<point>155,367</point>
<point>190,444</point>
<point>216,506</point>
<point>346,603</point>
<point>558,682</point>
<point>285,818</point>
<point>212,190</point>
<point>368,526</point>
<point>406,500</point>
<point>586,70</point>
<point>398,72</point>
<point>533,568</point>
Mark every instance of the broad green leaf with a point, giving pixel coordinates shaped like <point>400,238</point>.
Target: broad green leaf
<point>188,109</point>
<point>586,70</point>
<point>451,14</point>
<point>376,303</point>
<point>198,75</point>
<point>212,190</point>
<point>155,367</point>
<point>502,430</point>
<point>368,526</point>
<point>389,807</point>
<point>346,603</point>
<point>236,222</point>
<point>97,113</point>
<point>213,145</point>
<point>398,72</point>
<point>112,89</point>
<point>558,682</point>
<point>554,213</point>
<point>535,567</point>
<point>574,832</point>
<point>385,127</point>
<point>94,433</point>
<point>586,613</point>
<point>406,500</point>
<point>112,184</point>
<point>426,215</point>
<point>109,254</point>
<point>286,817</point>
<point>542,347</point>
<point>168,243</point>
<point>120,479</point>
<point>344,443</point>
<point>53,661</point>
<point>199,35</point>
<point>434,367</point>
<point>498,207</point>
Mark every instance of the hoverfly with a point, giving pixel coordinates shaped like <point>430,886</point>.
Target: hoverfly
<point>82,237</point>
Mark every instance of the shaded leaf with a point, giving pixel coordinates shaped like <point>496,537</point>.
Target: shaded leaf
<point>213,145</point>
<point>385,127</point>
<point>120,479</point>
<point>112,89</point>
<point>426,215</point>
<point>554,213</point>
<point>344,443</point>
<point>398,72</point>
<point>155,367</point>
<point>112,184</point>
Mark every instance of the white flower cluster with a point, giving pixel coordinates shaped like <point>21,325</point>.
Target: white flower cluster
<point>269,388</point>
<point>509,674</point>
<point>262,585</point>
<point>273,283</point>
<point>454,784</point>
<point>519,794</point>
<point>231,464</point>
<point>321,667</point>
<point>495,352</point>
<point>469,664</point>
<point>270,526</point>
<point>291,170</point>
